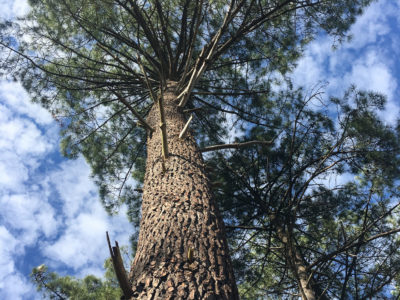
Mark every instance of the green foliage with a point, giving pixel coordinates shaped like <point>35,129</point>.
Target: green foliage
<point>53,286</point>
<point>78,57</point>
<point>73,56</point>
<point>330,181</point>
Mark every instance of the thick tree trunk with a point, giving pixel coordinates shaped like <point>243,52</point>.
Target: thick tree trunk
<point>182,251</point>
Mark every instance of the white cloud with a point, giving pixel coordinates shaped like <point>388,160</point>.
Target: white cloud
<point>371,73</point>
<point>8,246</point>
<point>16,287</point>
<point>58,212</point>
<point>13,173</point>
<point>74,238</point>
<point>20,7</point>
<point>333,180</point>
<point>13,8</point>
<point>13,285</point>
<point>373,23</point>
<point>308,71</point>
<point>82,244</point>
<point>22,142</point>
<point>35,217</point>
<point>24,137</point>
<point>14,96</point>
<point>24,215</point>
<point>363,62</point>
<point>75,188</point>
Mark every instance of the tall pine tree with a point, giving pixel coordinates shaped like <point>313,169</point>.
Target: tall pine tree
<point>317,214</point>
<point>143,88</point>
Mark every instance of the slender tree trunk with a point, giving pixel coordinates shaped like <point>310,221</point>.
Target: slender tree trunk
<point>304,282</point>
<point>307,287</point>
<point>182,251</point>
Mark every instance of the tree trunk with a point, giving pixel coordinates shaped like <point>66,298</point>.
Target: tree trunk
<point>304,282</point>
<point>182,251</point>
<point>307,287</point>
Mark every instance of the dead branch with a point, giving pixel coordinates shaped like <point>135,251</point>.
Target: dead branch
<point>184,130</point>
<point>119,268</point>
<point>234,145</point>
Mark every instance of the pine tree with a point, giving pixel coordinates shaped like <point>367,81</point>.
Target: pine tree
<point>317,214</point>
<point>122,77</point>
<point>60,288</point>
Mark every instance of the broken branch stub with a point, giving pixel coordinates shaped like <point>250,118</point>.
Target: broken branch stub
<point>119,268</point>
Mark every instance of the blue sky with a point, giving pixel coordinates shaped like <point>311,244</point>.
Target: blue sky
<point>50,211</point>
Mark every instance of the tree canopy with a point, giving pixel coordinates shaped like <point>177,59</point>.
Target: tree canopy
<point>95,64</point>
<point>325,195</point>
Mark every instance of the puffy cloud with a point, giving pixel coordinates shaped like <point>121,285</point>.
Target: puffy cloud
<point>8,247</point>
<point>13,8</point>
<point>74,186</point>
<point>22,141</point>
<point>366,61</point>
<point>13,172</point>
<point>15,97</point>
<point>13,285</point>
<point>82,244</point>
<point>373,24</point>
<point>24,215</point>
<point>59,214</point>
<point>371,72</point>
<point>35,217</point>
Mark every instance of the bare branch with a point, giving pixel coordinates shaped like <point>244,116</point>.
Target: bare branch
<point>163,126</point>
<point>247,227</point>
<point>235,145</point>
<point>184,130</point>
<point>119,268</point>
<point>186,111</point>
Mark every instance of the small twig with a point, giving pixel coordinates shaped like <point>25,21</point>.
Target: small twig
<point>146,79</point>
<point>186,111</point>
<point>234,145</point>
<point>185,128</point>
<point>246,227</point>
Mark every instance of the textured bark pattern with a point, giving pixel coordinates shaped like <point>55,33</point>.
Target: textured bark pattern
<point>178,214</point>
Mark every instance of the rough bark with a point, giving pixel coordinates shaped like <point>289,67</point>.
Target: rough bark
<point>179,219</point>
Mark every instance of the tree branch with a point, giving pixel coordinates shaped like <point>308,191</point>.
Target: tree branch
<point>234,145</point>
<point>135,113</point>
<point>184,130</point>
<point>163,126</point>
<point>119,268</point>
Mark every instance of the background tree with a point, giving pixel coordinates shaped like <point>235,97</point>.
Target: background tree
<point>55,287</point>
<point>317,214</point>
<point>112,71</point>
